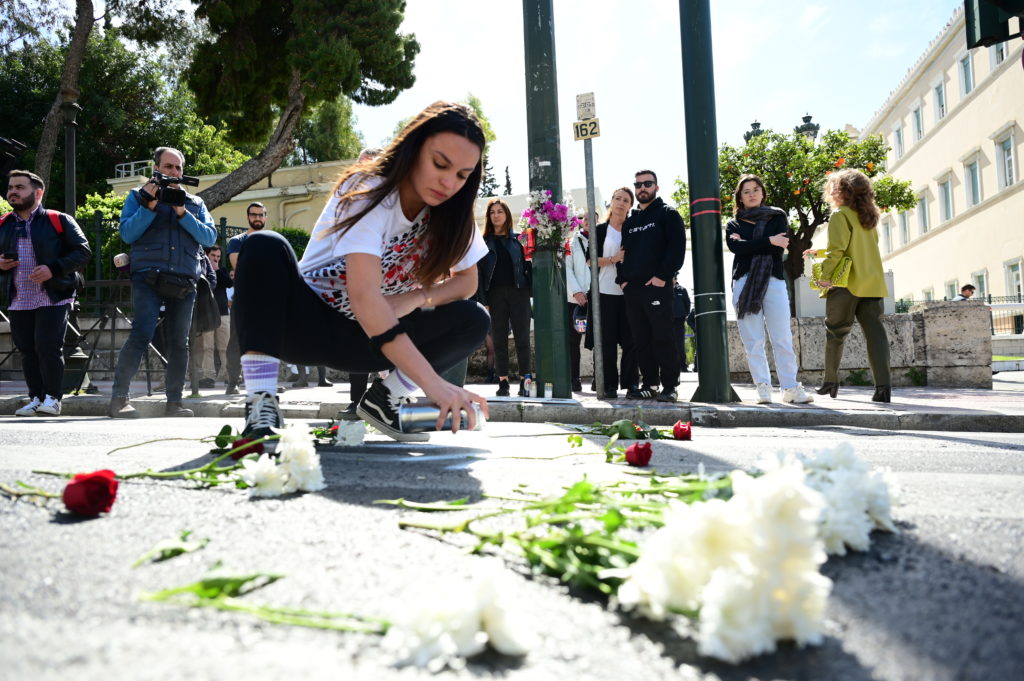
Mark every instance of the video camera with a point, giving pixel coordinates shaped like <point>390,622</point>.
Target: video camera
<point>168,194</point>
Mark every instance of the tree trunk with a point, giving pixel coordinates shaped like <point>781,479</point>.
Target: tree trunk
<point>69,84</point>
<point>278,147</point>
<point>799,241</point>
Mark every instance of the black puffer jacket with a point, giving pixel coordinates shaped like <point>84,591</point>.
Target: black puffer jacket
<point>65,253</point>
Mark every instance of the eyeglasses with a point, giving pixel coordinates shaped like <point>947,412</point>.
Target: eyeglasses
<point>257,215</point>
<point>645,183</point>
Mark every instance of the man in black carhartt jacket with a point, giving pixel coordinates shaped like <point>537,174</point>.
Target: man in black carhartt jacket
<point>654,241</point>
<point>41,254</point>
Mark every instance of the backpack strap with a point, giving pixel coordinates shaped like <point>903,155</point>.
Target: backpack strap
<point>3,218</point>
<point>55,221</point>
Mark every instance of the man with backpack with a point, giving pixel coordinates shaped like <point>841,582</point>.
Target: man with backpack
<point>41,255</point>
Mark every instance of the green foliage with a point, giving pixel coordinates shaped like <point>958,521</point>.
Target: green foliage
<point>327,133</point>
<point>109,206</point>
<point>259,49</point>
<point>127,111</point>
<point>474,103</point>
<point>508,183</point>
<point>857,377</point>
<point>5,207</point>
<point>794,170</point>
<point>681,197</point>
<point>298,238</point>
<point>488,185</point>
<point>918,376</point>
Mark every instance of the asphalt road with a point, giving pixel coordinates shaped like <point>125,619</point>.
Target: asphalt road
<point>942,600</point>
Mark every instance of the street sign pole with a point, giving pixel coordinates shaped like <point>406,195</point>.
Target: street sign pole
<point>586,111</point>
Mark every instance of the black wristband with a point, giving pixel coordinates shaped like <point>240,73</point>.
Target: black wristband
<point>376,342</point>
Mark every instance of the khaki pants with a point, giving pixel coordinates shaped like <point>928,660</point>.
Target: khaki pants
<point>202,349</point>
<point>841,308</point>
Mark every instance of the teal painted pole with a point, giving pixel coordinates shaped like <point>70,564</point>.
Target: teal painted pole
<point>545,167</point>
<point>705,204</point>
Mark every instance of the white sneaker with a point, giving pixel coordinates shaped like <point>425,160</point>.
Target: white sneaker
<point>50,406</point>
<point>764,393</point>
<point>796,395</point>
<point>29,409</point>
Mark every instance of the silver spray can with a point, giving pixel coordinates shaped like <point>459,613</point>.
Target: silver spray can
<point>419,417</point>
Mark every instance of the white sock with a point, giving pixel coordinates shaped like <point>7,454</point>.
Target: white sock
<point>260,373</point>
<point>399,385</point>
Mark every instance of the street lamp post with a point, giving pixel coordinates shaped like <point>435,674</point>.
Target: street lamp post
<point>807,129</point>
<point>755,130</point>
<point>69,106</point>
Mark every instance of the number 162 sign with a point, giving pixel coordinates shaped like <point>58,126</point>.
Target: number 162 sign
<point>585,130</point>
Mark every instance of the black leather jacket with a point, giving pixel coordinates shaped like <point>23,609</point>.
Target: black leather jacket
<point>521,267</point>
<point>66,254</point>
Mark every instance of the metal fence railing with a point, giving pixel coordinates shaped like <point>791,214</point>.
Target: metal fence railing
<point>1007,312</point>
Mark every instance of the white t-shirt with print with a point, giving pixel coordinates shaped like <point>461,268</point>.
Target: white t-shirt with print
<point>384,232</point>
<point>606,275</point>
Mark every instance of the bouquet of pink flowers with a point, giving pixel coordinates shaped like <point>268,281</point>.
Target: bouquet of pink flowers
<point>551,222</point>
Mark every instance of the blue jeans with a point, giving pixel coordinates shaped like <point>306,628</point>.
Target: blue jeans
<point>177,322</point>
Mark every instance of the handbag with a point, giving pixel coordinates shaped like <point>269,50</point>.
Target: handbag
<point>840,275</point>
<point>205,312</point>
<point>170,285</point>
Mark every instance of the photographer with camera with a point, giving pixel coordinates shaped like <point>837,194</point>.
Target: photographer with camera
<point>41,255</point>
<point>167,229</point>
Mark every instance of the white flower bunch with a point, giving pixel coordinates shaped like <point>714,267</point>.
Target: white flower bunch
<point>297,467</point>
<point>859,499</point>
<point>350,433</point>
<point>454,621</point>
<point>749,565</point>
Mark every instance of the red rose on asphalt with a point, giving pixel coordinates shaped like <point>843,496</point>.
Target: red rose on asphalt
<point>638,454</point>
<point>681,431</point>
<point>91,493</point>
<point>333,430</point>
<point>253,449</point>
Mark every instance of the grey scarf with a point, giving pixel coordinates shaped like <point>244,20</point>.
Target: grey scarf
<point>760,274</point>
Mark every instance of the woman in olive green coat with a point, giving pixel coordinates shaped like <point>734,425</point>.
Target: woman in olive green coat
<point>852,234</point>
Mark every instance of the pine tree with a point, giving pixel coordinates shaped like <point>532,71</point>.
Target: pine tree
<point>488,184</point>
<point>508,183</point>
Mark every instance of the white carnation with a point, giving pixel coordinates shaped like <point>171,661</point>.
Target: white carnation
<point>350,433</point>
<point>264,477</point>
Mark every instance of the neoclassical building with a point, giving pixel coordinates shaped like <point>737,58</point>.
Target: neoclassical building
<point>955,127</point>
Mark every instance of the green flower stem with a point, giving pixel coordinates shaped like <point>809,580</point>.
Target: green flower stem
<point>163,439</point>
<point>301,618</point>
<point>27,491</point>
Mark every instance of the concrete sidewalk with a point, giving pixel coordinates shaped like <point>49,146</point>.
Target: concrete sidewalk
<point>945,409</point>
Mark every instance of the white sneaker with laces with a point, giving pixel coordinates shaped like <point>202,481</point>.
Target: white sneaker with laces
<point>764,393</point>
<point>50,406</point>
<point>796,395</point>
<point>29,409</point>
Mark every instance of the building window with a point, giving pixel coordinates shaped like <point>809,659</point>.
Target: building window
<point>887,236</point>
<point>966,75</point>
<point>980,281</point>
<point>1005,166</point>
<point>997,54</point>
<point>1013,279</point>
<point>952,289</point>
<point>940,101</point>
<point>918,119</point>
<point>922,214</point>
<point>972,183</point>
<point>897,141</point>
<point>928,294</point>
<point>946,199</point>
<point>904,228</point>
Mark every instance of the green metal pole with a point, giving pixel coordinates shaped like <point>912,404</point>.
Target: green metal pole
<point>705,203</point>
<point>545,166</point>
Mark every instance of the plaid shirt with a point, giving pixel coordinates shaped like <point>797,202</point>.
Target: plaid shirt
<point>27,294</point>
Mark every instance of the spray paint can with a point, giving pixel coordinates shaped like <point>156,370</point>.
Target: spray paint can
<point>420,417</point>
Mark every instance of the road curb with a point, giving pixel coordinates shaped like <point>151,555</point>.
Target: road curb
<point>569,411</point>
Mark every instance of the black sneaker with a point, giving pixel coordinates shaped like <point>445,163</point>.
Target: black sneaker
<point>348,413</point>
<point>207,383</point>
<point>503,390</point>
<point>667,396</point>
<point>577,386</point>
<point>379,408</point>
<point>641,394</point>
<point>262,415</point>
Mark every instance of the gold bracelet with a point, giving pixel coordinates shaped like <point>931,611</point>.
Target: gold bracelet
<point>427,300</point>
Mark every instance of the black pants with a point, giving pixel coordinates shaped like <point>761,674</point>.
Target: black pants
<point>232,355</point>
<point>616,333</point>
<point>510,305</point>
<point>649,309</point>
<point>277,314</point>
<point>39,336</point>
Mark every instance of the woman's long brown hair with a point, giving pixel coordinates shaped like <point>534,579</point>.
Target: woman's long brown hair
<point>451,226</point>
<point>489,226</point>
<point>857,192</point>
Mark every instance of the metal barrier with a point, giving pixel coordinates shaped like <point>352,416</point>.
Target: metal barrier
<point>1007,311</point>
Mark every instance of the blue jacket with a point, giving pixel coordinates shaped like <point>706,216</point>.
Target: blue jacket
<point>160,240</point>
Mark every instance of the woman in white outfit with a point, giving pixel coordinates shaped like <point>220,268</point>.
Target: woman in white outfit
<point>757,235</point>
<point>577,287</point>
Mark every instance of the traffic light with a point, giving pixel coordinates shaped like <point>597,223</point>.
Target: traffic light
<point>988,21</point>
